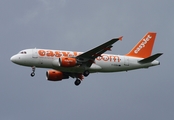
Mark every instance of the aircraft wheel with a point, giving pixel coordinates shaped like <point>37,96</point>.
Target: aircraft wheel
<point>32,74</point>
<point>33,71</point>
<point>86,73</point>
<point>77,82</point>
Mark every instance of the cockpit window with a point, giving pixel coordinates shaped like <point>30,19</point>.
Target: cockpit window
<point>23,52</point>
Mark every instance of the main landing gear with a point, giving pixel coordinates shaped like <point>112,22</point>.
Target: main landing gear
<point>33,71</point>
<point>77,82</point>
<point>79,78</point>
<point>86,73</point>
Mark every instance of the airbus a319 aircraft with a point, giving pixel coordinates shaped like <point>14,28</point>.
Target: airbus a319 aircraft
<point>65,64</point>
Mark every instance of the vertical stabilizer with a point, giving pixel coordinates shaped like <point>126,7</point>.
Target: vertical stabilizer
<point>143,48</point>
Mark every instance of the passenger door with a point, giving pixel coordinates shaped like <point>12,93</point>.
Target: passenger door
<point>34,53</point>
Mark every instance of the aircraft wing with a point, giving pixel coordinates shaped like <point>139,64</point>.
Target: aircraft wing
<point>89,56</point>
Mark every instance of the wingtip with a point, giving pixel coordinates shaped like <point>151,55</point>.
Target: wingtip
<point>120,38</point>
<point>160,54</point>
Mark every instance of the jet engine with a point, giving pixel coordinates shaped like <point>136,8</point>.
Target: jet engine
<point>54,75</point>
<point>67,62</point>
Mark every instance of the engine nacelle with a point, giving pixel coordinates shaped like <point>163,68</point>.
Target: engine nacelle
<point>54,75</point>
<point>67,62</point>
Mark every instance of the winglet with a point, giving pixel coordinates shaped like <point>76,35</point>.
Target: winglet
<point>120,38</point>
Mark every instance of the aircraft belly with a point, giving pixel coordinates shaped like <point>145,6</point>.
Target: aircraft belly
<point>69,69</point>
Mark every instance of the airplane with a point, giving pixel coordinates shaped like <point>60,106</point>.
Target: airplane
<point>66,64</point>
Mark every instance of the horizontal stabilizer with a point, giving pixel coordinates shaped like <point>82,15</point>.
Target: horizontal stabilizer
<point>150,59</point>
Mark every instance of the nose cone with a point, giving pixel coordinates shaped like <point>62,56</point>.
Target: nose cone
<point>16,59</point>
<point>13,59</point>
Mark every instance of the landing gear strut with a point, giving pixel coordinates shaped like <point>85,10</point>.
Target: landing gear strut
<point>77,82</point>
<point>33,71</point>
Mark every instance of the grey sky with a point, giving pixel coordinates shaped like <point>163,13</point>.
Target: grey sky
<point>81,25</point>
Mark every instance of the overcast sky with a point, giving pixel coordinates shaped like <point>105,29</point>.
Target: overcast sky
<point>146,94</point>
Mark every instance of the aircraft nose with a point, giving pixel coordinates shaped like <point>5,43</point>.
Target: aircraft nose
<point>14,59</point>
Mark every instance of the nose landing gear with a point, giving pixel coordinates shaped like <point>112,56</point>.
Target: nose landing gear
<point>33,71</point>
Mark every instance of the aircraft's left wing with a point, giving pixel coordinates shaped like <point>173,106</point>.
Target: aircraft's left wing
<point>89,56</point>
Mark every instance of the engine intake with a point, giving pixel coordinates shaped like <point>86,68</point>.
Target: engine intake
<point>67,62</point>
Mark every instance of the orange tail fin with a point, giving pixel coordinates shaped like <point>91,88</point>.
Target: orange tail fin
<point>143,48</point>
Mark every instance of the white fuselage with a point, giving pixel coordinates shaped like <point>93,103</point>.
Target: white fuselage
<point>104,63</point>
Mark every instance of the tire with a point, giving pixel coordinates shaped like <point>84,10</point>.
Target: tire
<point>32,74</point>
<point>77,82</point>
<point>86,73</point>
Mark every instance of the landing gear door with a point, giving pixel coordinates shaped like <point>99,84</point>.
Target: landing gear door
<point>34,53</point>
